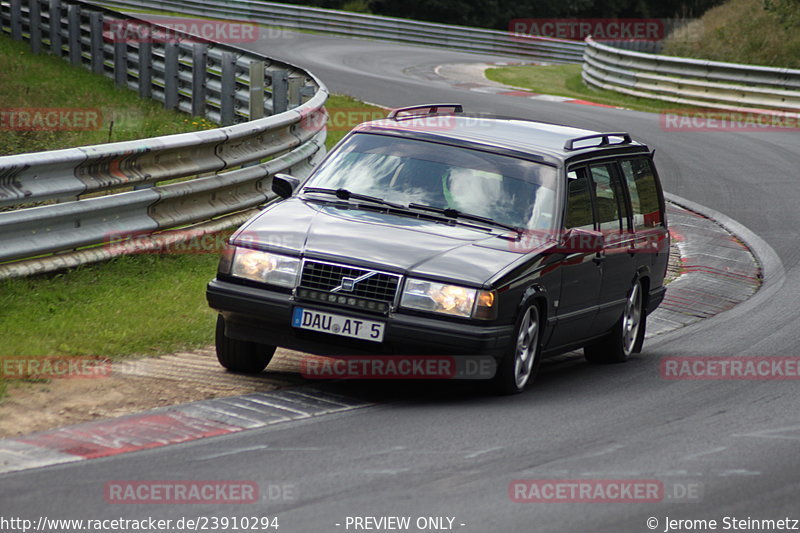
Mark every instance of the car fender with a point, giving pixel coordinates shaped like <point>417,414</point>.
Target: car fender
<point>538,292</point>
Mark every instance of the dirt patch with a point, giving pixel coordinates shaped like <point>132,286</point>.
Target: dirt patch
<point>133,386</point>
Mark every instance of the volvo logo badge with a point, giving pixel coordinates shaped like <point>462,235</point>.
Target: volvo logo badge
<point>349,284</point>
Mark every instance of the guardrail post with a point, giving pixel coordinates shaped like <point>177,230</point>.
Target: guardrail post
<point>256,100</point>
<point>120,62</point>
<point>55,27</point>
<point>294,91</point>
<point>306,93</point>
<point>16,21</point>
<point>96,41</point>
<point>280,91</point>
<point>35,17</point>
<point>228,92</point>
<point>145,69</point>
<point>170,75</point>
<point>74,34</point>
<point>199,65</point>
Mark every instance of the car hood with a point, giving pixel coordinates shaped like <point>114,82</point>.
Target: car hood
<point>336,232</point>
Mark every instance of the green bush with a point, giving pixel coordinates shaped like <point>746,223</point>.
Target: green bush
<point>755,32</point>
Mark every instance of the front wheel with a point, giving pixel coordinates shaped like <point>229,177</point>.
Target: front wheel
<point>241,356</point>
<point>627,334</point>
<point>519,368</point>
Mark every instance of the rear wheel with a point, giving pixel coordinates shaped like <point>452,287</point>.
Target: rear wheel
<point>627,335</point>
<point>519,368</point>
<point>241,356</point>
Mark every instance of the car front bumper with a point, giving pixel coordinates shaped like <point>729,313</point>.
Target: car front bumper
<point>265,316</point>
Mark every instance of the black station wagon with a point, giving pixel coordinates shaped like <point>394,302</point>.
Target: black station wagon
<point>436,232</point>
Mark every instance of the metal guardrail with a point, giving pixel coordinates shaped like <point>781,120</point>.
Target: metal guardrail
<point>473,40</point>
<point>234,163</point>
<point>219,88</point>
<point>712,84</point>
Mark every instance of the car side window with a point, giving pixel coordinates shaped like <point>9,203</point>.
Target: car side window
<point>609,198</point>
<point>579,203</point>
<point>643,190</point>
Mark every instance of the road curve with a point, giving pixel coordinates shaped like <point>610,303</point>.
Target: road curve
<point>445,451</point>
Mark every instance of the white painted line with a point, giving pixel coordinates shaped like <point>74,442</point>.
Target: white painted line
<point>701,454</point>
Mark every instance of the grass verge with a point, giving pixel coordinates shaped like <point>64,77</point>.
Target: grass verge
<point>142,304</point>
<point>92,108</point>
<point>565,80</point>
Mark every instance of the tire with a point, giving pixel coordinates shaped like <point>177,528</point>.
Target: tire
<point>519,367</point>
<point>627,335</point>
<point>241,356</point>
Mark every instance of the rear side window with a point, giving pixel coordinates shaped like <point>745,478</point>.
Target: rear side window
<point>579,202</point>
<point>645,203</point>
<point>612,211</point>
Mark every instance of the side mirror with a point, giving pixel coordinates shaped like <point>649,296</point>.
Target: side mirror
<point>284,185</point>
<point>581,241</point>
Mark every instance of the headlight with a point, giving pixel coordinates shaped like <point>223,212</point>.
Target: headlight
<point>265,267</point>
<point>448,299</point>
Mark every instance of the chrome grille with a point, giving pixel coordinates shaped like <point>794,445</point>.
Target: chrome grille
<point>327,277</point>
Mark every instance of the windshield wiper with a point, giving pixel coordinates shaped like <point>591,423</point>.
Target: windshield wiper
<point>455,213</point>
<point>344,194</point>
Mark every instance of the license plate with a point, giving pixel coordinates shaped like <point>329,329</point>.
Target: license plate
<point>345,326</point>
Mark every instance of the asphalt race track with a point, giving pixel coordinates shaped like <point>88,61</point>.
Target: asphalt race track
<point>720,448</point>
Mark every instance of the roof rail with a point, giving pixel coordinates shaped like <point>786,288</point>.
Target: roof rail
<point>605,140</point>
<point>417,111</point>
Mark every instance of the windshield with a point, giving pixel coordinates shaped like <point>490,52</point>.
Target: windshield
<point>506,189</point>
